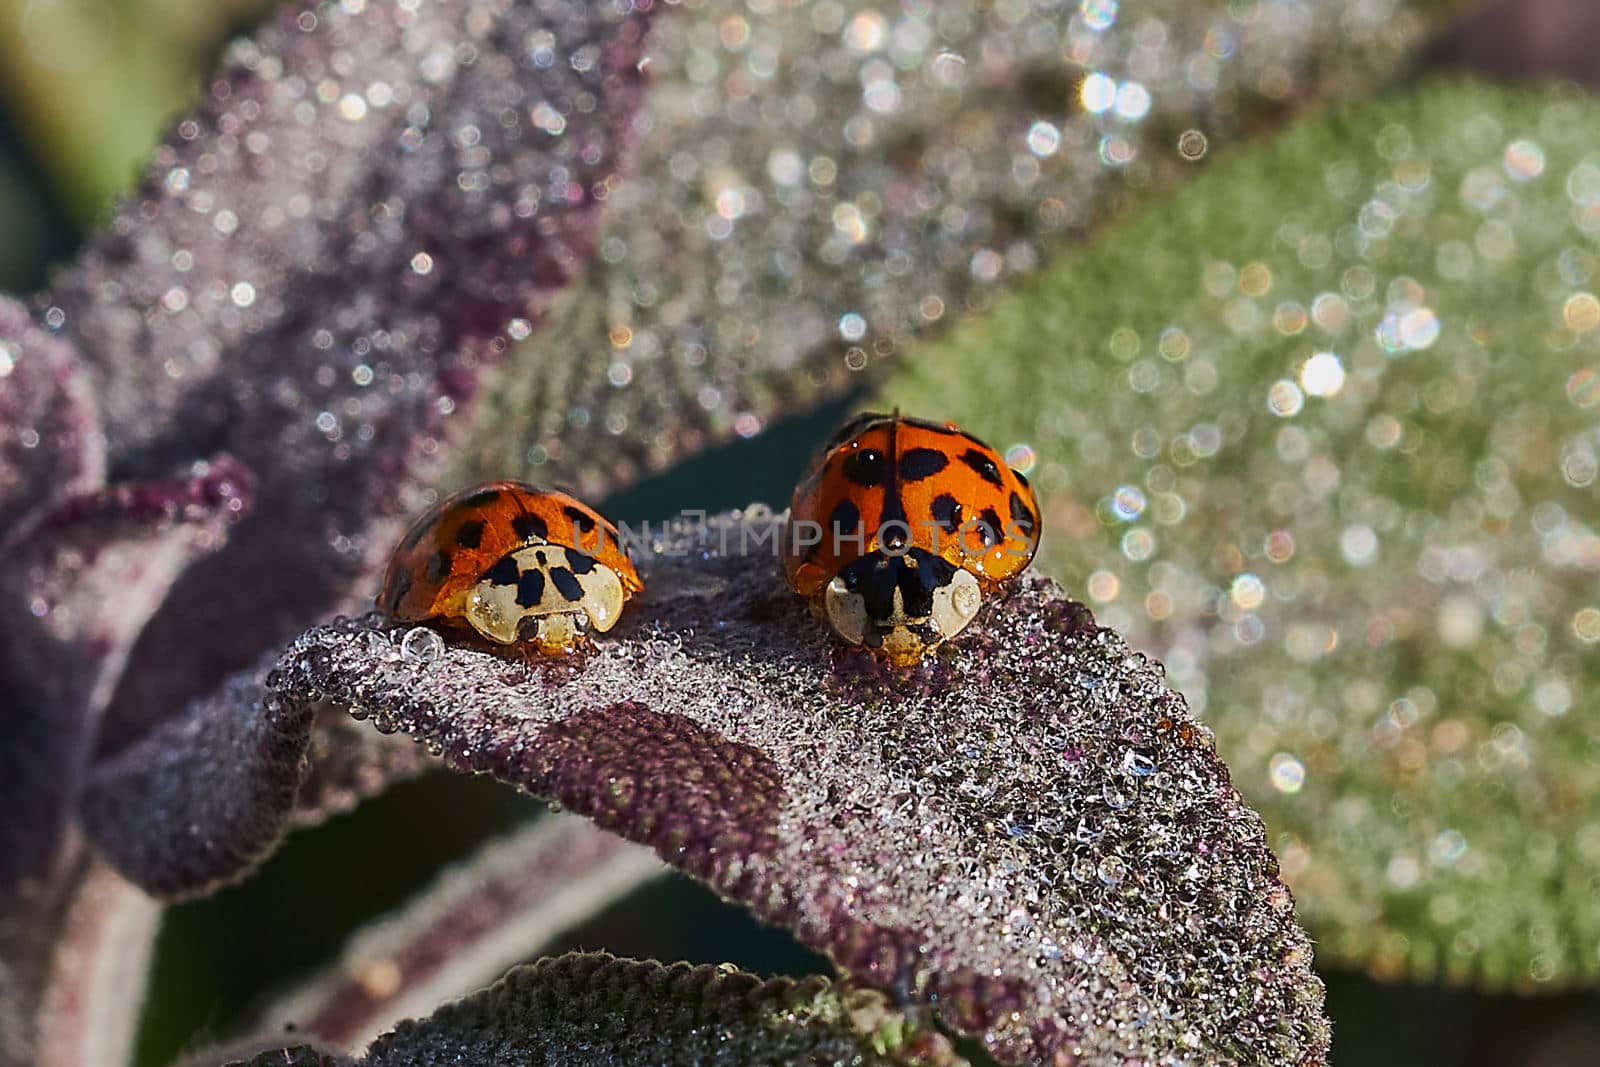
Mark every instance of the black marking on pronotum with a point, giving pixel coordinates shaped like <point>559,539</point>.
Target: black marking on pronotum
<point>566,584</point>
<point>920,463</point>
<point>529,527</point>
<point>947,512</point>
<point>916,575</point>
<point>866,467</point>
<point>539,558</point>
<point>983,465</point>
<point>1022,515</point>
<point>470,533</point>
<point>438,566</point>
<point>530,589</point>
<point>580,563</point>
<point>504,572</point>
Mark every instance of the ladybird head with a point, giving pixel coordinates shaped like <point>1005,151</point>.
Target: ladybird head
<point>546,595</point>
<point>901,604</point>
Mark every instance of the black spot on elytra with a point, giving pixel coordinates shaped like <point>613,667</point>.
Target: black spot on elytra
<point>504,572</point>
<point>845,519</point>
<point>438,566</point>
<point>530,527</point>
<point>582,521</point>
<point>947,512</point>
<point>866,467</point>
<point>1022,516</point>
<point>481,499</point>
<point>470,533</point>
<point>566,584</point>
<point>919,463</point>
<point>1023,478</point>
<point>530,589</point>
<point>989,527</point>
<point>580,563</point>
<point>983,465</point>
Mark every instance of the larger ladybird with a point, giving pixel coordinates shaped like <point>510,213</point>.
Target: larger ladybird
<point>515,562</point>
<point>901,527</point>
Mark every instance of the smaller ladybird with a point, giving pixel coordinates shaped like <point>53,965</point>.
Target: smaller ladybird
<point>900,528</point>
<point>515,562</point>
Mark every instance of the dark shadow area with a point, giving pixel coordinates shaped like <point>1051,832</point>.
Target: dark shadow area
<point>675,918</point>
<point>760,470</point>
<point>1408,1025</point>
<point>35,229</point>
<point>219,959</point>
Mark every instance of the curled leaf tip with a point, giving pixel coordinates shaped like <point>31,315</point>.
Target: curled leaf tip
<point>1029,835</point>
<point>202,798</point>
<point>84,572</point>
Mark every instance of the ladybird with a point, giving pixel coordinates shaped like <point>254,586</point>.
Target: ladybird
<point>901,527</point>
<point>515,562</point>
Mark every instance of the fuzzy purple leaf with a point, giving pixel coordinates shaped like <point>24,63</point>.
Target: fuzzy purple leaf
<point>580,1010</point>
<point>82,575</point>
<point>202,798</point>
<point>1030,835</point>
<point>464,931</point>
<point>317,268</point>
<point>50,440</point>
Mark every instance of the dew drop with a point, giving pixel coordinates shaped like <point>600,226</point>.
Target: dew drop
<point>421,646</point>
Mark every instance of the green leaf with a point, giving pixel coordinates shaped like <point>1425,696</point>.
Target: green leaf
<point>1319,432</point>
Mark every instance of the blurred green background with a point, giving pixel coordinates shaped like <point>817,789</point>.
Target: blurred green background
<point>86,88</point>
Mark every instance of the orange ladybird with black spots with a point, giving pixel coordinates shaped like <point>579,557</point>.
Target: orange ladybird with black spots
<point>901,528</point>
<point>518,563</point>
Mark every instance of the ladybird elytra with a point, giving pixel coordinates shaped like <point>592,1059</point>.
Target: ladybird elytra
<point>515,562</point>
<point>901,528</point>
